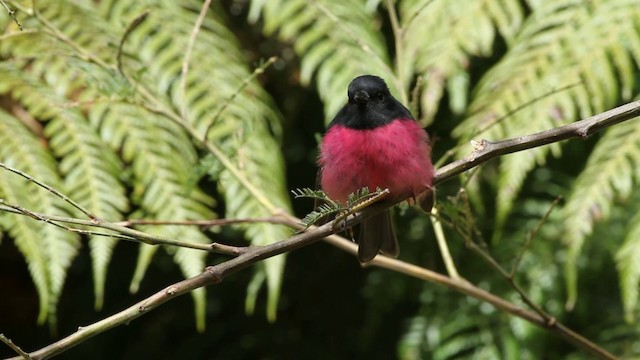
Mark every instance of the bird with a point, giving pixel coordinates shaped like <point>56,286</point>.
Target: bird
<point>375,142</point>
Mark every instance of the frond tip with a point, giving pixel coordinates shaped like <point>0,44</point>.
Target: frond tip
<point>311,194</point>
<point>356,202</point>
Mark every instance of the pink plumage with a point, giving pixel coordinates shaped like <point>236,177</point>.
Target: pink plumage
<point>374,142</point>
<point>395,156</point>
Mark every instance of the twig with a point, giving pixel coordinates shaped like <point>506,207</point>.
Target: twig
<point>121,232</point>
<point>215,274</point>
<point>416,14</point>
<point>398,35</point>
<point>442,244</point>
<point>487,150</point>
<point>13,346</point>
<point>530,236</point>
<point>132,26</point>
<point>12,13</point>
<point>57,193</point>
<point>257,72</point>
<point>187,58</point>
<point>363,45</point>
<point>524,105</point>
<point>203,223</point>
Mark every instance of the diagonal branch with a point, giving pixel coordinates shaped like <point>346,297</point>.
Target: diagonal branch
<point>485,151</point>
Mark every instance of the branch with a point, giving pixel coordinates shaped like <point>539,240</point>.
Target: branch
<point>12,13</point>
<point>122,233</point>
<point>484,152</point>
<point>187,58</point>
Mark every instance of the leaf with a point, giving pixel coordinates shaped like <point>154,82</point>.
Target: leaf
<point>48,249</point>
<point>607,175</point>
<point>628,265</point>
<point>337,41</point>
<point>442,37</point>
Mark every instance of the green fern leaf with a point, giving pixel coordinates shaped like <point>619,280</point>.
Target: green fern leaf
<point>441,37</point>
<point>245,129</point>
<point>337,40</point>
<point>517,96</point>
<point>608,173</point>
<point>628,264</point>
<point>50,248</point>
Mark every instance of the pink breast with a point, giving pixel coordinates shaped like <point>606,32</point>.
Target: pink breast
<point>394,156</point>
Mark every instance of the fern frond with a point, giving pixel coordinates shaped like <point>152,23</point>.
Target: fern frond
<point>89,168</point>
<point>248,130</point>
<point>628,264</point>
<point>337,40</point>
<point>321,212</point>
<point>50,249</point>
<point>441,37</point>
<point>550,53</point>
<point>310,194</point>
<point>608,173</point>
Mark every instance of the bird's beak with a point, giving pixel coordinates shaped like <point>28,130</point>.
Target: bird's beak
<point>361,97</point>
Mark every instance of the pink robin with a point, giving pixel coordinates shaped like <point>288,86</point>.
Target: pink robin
<point>375,142</point>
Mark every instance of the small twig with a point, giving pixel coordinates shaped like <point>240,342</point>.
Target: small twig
<point>187,59</point>
<point>13,346</point>
<point>57,193</point>
<point>367,201</point>
<point>416,14</point>
<point>442,244</point>
<point>12,13</point>
<point>525,105</point>
<point>481,248</point>
<point>203,223</point>
<point>121,232</point>
<point>229,249</point>
<point>257,72</point>
<point>398,35</point>
<point>530,236</point>
<point>581,129</point>
<point>358,41</point>
<point>415,96</point>
<point>132,26</point>
<point>56,33</point>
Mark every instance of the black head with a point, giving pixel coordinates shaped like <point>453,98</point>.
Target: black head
<point>370,105</point>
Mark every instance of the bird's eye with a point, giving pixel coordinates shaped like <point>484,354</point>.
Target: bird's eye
<point>380,96</point>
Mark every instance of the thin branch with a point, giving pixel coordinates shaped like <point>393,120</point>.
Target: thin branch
<point>12,13</point>
<point>530,236</point>
<point>487,150</point>
<point>204,223</point>
<point>525,105</point>
<point>132,26</point>
<point>398,35</point>
<point>215,274</point>
<point>57,193</point>
<point>187,58</point>
<point>362,44</point>
<point>442,244</point>
<point>257,72</point>
<point>121,232</point>
<point>14,347</point>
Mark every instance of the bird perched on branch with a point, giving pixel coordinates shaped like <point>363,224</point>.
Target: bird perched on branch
<point>375,142</point>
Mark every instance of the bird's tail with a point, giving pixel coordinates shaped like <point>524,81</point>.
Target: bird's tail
<point>377,235</point>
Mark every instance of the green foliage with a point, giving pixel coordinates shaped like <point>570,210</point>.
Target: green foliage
<point>111,131</point>
<point>441,38</point>
<point>135,144</point>
<point>326,207</point>
<point>336,40</point>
